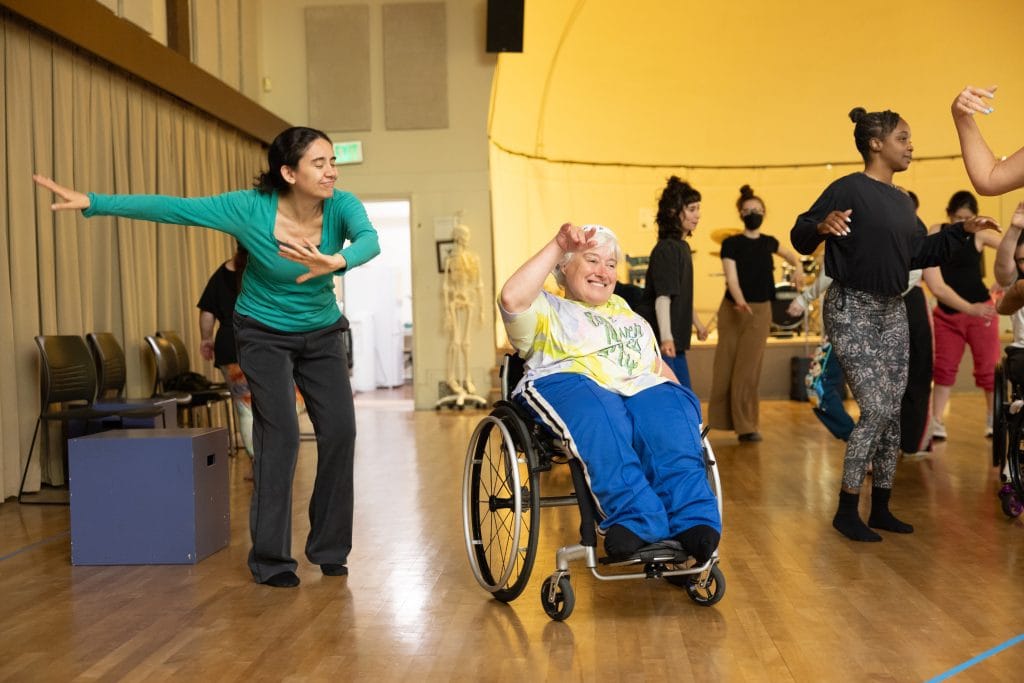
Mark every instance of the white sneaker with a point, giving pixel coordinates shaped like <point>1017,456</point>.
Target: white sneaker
<point>938,430</point>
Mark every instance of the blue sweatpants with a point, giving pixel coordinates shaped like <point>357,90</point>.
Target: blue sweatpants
<point>641,454</point>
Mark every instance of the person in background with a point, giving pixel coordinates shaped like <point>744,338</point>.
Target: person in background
<point>954,329</point>
<point>300,231</point>
<point>873,238</point>
<point>667,302</point>
<point>744,320</point>
<point>216,308</point>
<point>1009,272</point>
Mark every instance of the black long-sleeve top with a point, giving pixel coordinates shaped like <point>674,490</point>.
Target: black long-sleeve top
<point>886,238</point>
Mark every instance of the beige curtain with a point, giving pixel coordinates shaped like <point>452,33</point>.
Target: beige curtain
<point>90,127</point>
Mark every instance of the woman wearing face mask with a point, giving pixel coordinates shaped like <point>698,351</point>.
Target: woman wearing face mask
<point>667,302</point>
<point>744,319</point>
<point>872,239</point>
<point>955,330</point>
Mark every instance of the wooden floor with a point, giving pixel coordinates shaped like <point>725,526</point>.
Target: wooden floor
<point>802,603</point>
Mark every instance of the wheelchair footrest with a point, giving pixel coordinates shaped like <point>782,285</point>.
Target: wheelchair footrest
<point>662,551</point>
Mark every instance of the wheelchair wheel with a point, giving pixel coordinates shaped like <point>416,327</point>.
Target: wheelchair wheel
<point>1000,408</point>
<point>705,595</point>
<point>501,504</point>
<point>564,601</point>
<point>1015,453</point>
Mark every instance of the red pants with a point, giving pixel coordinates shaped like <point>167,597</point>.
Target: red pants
<point>952,332</point>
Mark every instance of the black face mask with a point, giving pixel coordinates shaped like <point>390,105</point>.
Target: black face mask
<point>752,221</point>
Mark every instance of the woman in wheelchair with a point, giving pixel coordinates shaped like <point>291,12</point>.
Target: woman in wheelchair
<point>595,377</point>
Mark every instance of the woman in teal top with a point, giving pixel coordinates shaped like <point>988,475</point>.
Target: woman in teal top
<point>288,328</point>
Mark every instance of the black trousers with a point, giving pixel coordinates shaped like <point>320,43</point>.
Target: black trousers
<point>275,362</point>
<point>915,409</point>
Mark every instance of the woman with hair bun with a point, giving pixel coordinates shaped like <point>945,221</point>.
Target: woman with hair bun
<point>744,319</point>
<point>667,302</point>
<point>873,238</point>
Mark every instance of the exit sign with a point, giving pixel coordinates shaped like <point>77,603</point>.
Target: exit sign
<point>348,152</point>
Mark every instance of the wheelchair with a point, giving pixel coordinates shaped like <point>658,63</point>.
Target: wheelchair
<point>501,513</point>
<point>1008,417</point>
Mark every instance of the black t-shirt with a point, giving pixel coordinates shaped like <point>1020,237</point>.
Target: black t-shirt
<point>963,274</point>
<point>886,237</point>
<point>219,299</point>
<point>670,273</point>
<point>754,266</point>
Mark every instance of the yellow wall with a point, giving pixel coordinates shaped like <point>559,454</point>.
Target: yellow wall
<point>666,87</point>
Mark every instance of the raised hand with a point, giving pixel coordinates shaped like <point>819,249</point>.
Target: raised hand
<point>72,200</point>
<point>836,223</point>
<point>979,223</point>
<point>307,254</point>
<point>1017,220</point>
<point>971,100</point>
<point>571,238</point>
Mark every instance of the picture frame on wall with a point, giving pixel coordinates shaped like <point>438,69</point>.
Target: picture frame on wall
<point>444,250</point>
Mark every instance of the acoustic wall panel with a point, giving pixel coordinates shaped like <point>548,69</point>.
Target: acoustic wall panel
<point>338,67</point>
<point>415,66</point>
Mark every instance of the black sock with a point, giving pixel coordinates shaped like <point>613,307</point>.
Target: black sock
<point>283,580</point>
<point>334,569</point>
<point>620,541</point>
<point>848,522</point>
<point>699,542</point>
<point>881,518</point>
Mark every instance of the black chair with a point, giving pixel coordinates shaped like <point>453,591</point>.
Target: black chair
<point>220,389</point>
<point>68,381</point>
<point>168,382</point>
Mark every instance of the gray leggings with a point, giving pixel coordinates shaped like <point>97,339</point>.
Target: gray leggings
<point>871,339</point>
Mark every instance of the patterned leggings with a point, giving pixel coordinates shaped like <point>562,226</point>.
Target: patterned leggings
<point>870,337</point>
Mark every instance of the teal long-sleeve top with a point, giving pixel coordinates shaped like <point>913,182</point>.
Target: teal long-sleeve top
<point>269,292</point>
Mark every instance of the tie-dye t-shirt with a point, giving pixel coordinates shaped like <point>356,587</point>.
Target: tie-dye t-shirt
<point>609,343</point>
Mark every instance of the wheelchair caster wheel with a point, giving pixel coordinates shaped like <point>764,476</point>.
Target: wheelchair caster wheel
<point>711,592</point>
<point>564,599</point>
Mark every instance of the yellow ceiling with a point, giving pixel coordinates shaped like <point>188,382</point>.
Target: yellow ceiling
<point>748,83</point>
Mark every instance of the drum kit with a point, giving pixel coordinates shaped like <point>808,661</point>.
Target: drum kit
<point>784,324</point>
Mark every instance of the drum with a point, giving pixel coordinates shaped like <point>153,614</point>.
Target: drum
<point>784,324</point>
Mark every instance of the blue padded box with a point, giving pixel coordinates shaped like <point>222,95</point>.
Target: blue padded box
<point>148,496</point>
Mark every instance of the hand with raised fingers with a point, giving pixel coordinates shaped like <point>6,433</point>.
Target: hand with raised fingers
<point>307,254</point>
<point>979,223</point>
<point>971,101</point>
<point>572,238</point>
<point>836,224</point>
<point>72,200</point>
<point>1017,220</point>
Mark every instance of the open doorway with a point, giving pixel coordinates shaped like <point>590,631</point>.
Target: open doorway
<point>378,302</point>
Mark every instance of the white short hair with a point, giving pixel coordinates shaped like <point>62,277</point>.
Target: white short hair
<point>602,235</point>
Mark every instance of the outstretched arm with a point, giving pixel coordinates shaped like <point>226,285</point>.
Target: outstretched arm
<point>989,175</point>
<point>526,283</point>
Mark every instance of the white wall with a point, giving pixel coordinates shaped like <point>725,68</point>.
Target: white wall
<point>441,171</point>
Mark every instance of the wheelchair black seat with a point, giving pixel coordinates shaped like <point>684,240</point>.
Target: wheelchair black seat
<point>1013,365</point>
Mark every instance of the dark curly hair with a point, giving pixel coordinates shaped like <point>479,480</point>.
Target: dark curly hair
<point>676,195</point>
<point>286,150</point>
<point>876,124</point>
<point>962,199</point>
<point>746,193</point>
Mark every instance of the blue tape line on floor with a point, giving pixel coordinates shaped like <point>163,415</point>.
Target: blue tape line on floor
<point>31,546</point>
<point>974,660</point>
